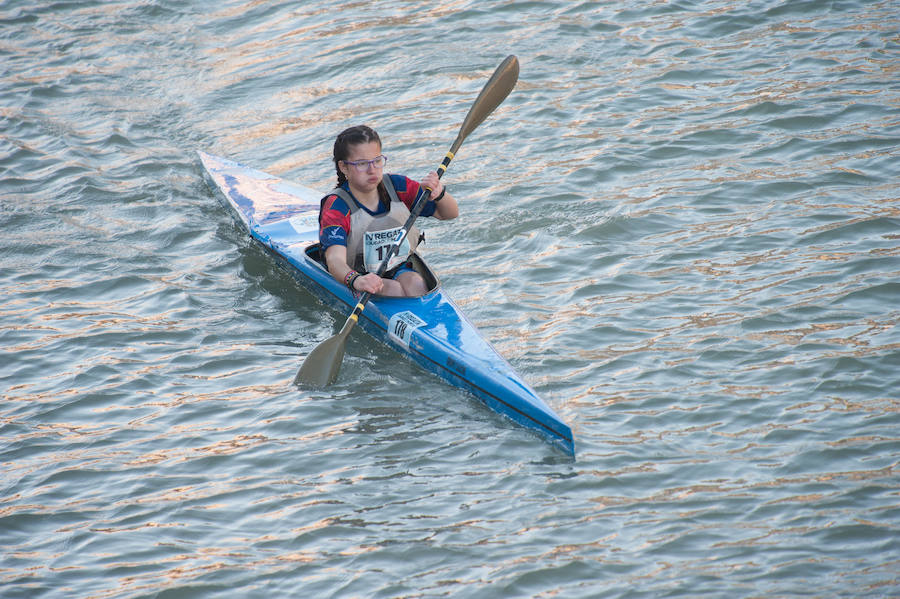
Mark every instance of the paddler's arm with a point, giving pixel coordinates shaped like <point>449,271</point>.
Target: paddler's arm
<point>446,208</point>
<point>336,259</point>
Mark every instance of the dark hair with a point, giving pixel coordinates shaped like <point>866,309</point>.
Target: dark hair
<point>359,134</point>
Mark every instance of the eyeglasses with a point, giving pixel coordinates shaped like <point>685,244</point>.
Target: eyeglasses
<point>363,165</point>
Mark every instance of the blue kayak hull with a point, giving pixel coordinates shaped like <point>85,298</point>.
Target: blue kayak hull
<point>431,330</point>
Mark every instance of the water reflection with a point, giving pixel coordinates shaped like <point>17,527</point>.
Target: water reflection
<point>680,227</point>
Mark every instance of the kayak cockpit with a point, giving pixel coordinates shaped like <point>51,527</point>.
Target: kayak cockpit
<point>314,252</point>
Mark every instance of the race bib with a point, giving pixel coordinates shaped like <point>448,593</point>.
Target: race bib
<point>376,245</point>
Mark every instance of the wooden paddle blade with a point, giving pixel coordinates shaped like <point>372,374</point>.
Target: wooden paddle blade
<point>492,94</point>
<point>323,363</point>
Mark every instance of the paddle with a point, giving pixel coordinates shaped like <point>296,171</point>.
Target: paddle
<point>323,363</point>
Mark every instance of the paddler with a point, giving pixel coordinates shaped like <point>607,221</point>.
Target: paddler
<point>359,219</point>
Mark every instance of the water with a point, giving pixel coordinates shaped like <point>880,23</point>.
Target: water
<point>681,227</point>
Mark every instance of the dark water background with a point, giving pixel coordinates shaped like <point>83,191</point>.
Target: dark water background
<point>682,228</point>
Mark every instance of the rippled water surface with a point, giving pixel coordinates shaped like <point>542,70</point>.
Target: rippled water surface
<point>682,228</point>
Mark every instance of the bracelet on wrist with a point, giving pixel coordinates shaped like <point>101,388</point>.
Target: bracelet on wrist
<point>441,196</point>
<point>350,278</point>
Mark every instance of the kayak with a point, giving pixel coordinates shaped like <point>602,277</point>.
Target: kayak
<point>430,330</point>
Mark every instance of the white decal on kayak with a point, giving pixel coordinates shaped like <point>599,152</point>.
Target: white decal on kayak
<point>304,223</point>
<point>402,325</point>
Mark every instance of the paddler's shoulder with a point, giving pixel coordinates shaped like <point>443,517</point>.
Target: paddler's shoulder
<point>333,201</point>
<point>401,182</point>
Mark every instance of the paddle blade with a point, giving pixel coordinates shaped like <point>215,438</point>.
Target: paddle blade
<point>323,364</point>
<point>492,94</point>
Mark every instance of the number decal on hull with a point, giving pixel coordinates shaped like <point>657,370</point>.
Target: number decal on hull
<point>402,325</point>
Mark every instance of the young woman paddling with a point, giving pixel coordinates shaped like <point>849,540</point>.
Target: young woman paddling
<point>359,219</point>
